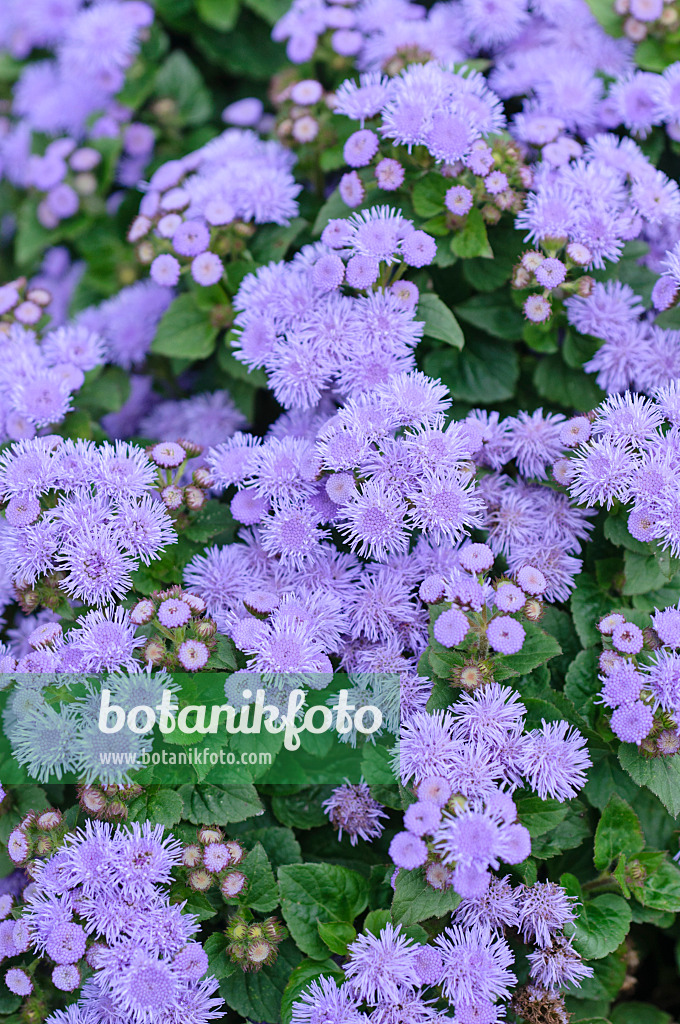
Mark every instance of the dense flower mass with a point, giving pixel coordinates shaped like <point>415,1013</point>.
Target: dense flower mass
<point>359,401</point>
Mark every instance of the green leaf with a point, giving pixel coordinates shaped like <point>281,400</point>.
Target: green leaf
<point>180,80</point>
<point>493,314</point>
<point>601,926</point>
<point>262,892</point>
<point>106,392</point>
<point>541,337</point>
<point>608,975</point>
<point>414,900</point>
<point>376,766</point>
<point>301,977</point>
<point>642,573</point>
<point>219,964</point>
<point>440,323</point>
<point>485,371</point>
<point>258,996</point>
<point>538,648</point>
<point>588,605</point>
<point>160,806</point>
<point>219,805</point>
<point>539,816</point>
<point>572,389</point>
<point>185,331</point>
<point>582,684</point>
<point>569,834</point>
<point>472,240</point>
<point>279,844</point>
<point>638,1013</point>
<point>616,530</point>
<point>269,10</point>
<point>197,903</point>
<point>337,935</point>
<point>312,893</point>
<point>219,14</point>
<point>604,11</point>
<point>428,195</point>
<point>661,888</point>
<point>618,833</point>
<point>660,774</point>
<point>302,810</point>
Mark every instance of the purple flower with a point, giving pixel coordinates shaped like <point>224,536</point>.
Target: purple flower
<point>408,851</point>
<point>554,760</point>
<point>543,910</point>
<point>627,637</point>
<point>451,627</point>
<point>476,965</point>
<point>360,148</point>
<point>505,634</point>
<point>379,967</point>
<point>422,818</point>
<point>165,270</point>
<point>558,965</point>
<point>632,722</point>
<point>207,269</point>
<point>352,809</point>
<point>389,174</point>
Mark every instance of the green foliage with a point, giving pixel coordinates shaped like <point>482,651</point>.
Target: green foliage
<point>313,894</point>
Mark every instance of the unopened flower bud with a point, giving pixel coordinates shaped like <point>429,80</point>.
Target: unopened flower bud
<point>260,953</point>
<point>192,855</point>
<point>116,809</point>
<point>139,228</point>
<point>211,834</point>
<point>232,884</point>
<point>533,609</point>
<point>92,800</point>
<point>172,497</point>
<point>236,851</point>
<point>40,296</point>
<point>585,286</point>
<point>190,447</point>
<point>85,184</point>
<point>142,612</point>
<point>200,880</point>
<point>49,820</point>
<point>145,253</point>
<point>205,629</point>
<point>154,651</point>
<point>195,498</point>
<point>622,6</point>
<point>521,278</point>
<point>635,30</point>
<point>669,18</point>
<point>651,639</point>
<point>203,477</point>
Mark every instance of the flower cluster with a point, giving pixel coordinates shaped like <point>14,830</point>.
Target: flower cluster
<point>80,518</point>
<point>459,762</point>
<point>202,207</point>
<point>212,860</point>
<point>641,680</point>
<point>42,371</point>
<point>627,456</point>
<point>295,320</point>
<point>36,837</point>
<point>396,978</point>
<point>100,908</point>
<point>52,736</point>
<point>179,634</point>
<point>254,945</point>
<point>71,97</point>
